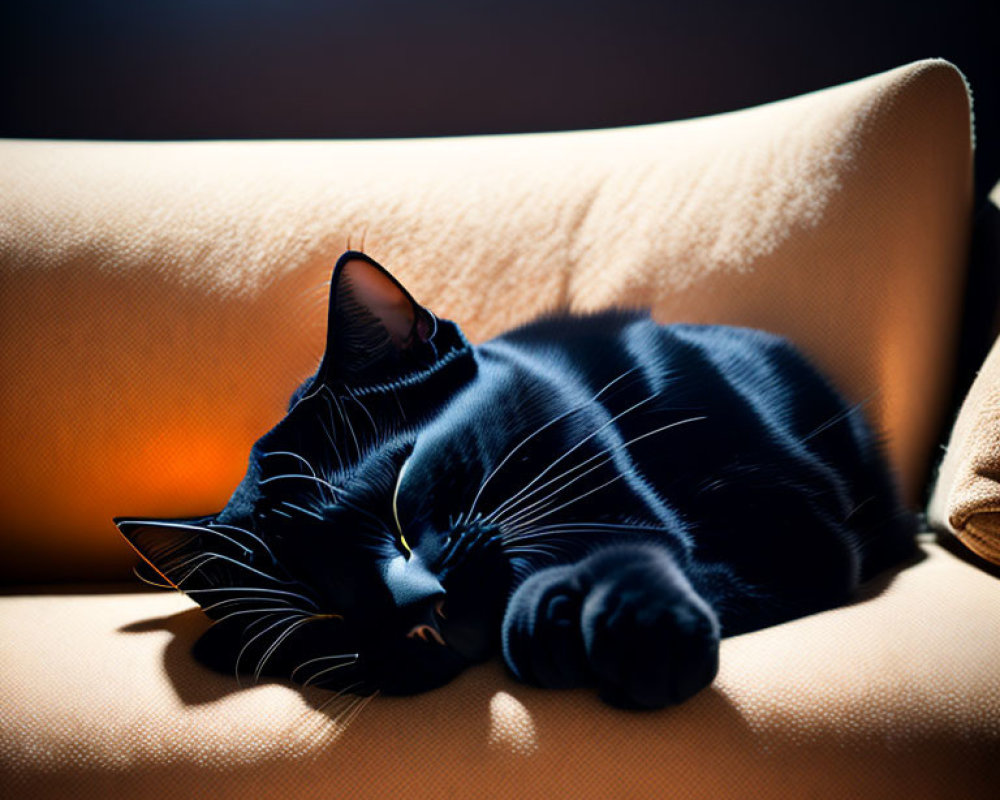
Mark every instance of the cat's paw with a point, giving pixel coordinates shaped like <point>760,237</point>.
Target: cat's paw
<point>649,639</point>
<point>542,642</point>
<point>625,620</point>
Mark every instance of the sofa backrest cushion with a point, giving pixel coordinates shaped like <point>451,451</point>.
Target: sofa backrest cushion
<point>160,301</point>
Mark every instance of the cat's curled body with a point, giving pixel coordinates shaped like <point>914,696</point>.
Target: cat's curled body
<point>599,498</point>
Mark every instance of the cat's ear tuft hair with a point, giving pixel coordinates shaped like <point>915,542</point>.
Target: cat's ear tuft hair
<point>376,330</point>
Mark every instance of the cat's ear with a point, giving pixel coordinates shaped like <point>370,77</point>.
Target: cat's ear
<point>376,330</point>
<point>191,554</point>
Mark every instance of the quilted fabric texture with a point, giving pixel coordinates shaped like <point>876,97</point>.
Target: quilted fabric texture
<point>159,302</point>
<point>895,696</point>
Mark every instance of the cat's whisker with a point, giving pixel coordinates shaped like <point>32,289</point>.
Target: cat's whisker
<point>239,656</point>
<point>859,506</point>
<point>162,559</point>
<point>355,710</point>
<point>262,618</point>
<point>193,572</point>
<point>527,534</point>
<point>342,715</point>
<point>514,499</point>
<point>517,447</point>
<point>362,406</point>
<point>232,561</point>
<point>538,430</point>
<point>299,476</point>
<point>302,510</point>
<point>211,529</point>
<point>146,580</point>
<point>308,396</point>
<point>292,455</point>
<point>323,718</point>
<point>838,417</point>
<point>344,418</point>
<point>624,526</point>
<point>202,559</point>
<point>607,454</point>
<point>292,627</point>
<point>544,534</point>
<point>519,532</point>
<point>184,526</point>
<point>576,499</point>
<point>538,547</point>
<point>519,513</point>
<point>353,656</point>
<point>547,550</point>
<point>399,405</point>
<point>349,424</point>
<point>256,571</point>
<point>329,438</point>
<point>451,551</point>
<point>244,611</point>
<point>337,695</point>
<point>328,394</point>
<point>214,524</point>
<point>316,676</point>
<point>177,562</point>
<point>254,589</point>
<point>252,599</point>
<point>461,545</point>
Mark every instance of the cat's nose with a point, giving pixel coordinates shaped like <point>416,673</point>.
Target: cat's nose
<point>410,582</point>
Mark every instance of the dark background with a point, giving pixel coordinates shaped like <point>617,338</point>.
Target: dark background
<point>195,69</point>
<point>192,69</point>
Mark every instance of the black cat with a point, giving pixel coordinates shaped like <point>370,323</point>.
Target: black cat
<point>599,498</point>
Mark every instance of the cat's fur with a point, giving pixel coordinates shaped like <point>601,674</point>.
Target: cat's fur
<point>599,498</point>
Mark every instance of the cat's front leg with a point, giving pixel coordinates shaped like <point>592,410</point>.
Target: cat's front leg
<point>625,619</point>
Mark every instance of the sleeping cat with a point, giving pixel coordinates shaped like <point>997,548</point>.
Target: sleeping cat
<point>598,498</point>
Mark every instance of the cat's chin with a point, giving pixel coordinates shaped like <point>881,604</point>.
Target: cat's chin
<point>474,607</point>
<point>401,676</point>
<point>469,637</point>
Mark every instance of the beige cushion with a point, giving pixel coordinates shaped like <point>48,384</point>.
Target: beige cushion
<point>896,696</point>
<point>966,499</point>
<point>159,302</point>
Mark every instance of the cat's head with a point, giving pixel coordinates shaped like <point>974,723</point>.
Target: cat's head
<point>343,558</point>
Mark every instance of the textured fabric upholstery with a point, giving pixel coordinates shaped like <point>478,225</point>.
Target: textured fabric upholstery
<point>966,499</point>
<point>159,302</point>
<point>894,696</point>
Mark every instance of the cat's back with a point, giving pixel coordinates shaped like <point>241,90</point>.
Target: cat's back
<point>701,363</point>
<point>750,401</point>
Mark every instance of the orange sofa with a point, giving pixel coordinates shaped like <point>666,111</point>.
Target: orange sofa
<point>159,302</point>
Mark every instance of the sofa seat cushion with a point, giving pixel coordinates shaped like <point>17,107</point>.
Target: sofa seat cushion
<point>159,302</point>
<point>894,696</point>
